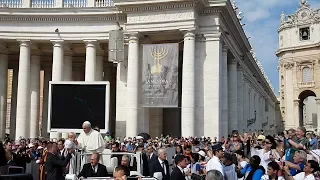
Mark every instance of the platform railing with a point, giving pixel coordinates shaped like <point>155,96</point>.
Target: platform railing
<point>74,3</point>
<point>42,3</point>
<point>10,3</point>
<point>104,3</point>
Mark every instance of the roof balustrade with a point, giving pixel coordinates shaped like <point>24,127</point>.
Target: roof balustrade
<point>55,3</point>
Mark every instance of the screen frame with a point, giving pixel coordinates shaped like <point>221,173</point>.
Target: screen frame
<point>107,105</point>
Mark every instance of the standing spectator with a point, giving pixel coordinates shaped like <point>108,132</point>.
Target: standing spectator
<point>3,159</point>
<point>178,172</point>
<point>229,167</point>
<point>272,172</point>
<point>160,165</point>
<point>310,168</point>
<point>253,170</point>
<point>214,175</point>
<point>214,162</point>
<point>54,166</point>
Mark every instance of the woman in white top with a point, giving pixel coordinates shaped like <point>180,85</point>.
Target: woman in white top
<point>272,172</point>
<point>268,153</point>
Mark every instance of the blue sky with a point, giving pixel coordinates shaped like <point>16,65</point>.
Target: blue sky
<point>262,19</point>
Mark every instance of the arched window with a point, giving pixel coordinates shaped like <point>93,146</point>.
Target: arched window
<point>306,74</point>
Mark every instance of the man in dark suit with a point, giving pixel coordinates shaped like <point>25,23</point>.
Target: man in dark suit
<point>54,165</point>
<point>178,172</point>
<point>94,168</point>
<point>160,165</point>
<point>151,155</point>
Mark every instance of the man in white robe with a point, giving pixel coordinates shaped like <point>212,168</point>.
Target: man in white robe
<point>90,141</point>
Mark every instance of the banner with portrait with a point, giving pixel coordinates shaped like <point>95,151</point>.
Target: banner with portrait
<point>160,75</point>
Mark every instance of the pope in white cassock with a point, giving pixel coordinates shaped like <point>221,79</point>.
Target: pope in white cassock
<point>89,140</point>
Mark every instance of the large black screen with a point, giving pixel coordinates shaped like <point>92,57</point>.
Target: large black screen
<point>72,104</point>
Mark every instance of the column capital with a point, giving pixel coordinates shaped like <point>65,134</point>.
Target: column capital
<point>317,101</point>
<point>233,61</point>
<point>134,37</point>
<point>57,42</point>
<point>296,102</point>
<point>225,48</point>
<point>212,36</point>
<point>90,42</point>
<point>24,42</point>
<point>189,34</point>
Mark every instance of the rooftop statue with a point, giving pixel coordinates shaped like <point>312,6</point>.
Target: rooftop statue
<point>282,18</point>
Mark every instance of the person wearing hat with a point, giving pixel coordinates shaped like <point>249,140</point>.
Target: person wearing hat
<point>214,162</point>
<point>108,137</point>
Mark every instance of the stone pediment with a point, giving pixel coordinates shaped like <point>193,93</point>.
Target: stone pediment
<point>304,15</point>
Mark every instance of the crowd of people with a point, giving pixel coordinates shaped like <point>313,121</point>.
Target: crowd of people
<point>292,154</point>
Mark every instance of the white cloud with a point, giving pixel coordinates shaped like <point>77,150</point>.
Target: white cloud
<point>256,10</point>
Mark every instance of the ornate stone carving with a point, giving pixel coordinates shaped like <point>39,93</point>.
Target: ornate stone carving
<point>160,16</point>
<point>288,65</point>
<point>317,101</point>
<point>304,15</point>
<point>296,102</point>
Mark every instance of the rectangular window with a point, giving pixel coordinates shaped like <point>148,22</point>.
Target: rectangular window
<point>304,34</point>
<point>266,105</point>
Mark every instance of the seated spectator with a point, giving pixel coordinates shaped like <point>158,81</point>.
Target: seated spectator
<point>94,168</point>
<point>125,161</point>
<point>116,149</point>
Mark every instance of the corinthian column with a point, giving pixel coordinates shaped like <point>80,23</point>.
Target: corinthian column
<point>3,93</point>
<point>132,87</point>
<point>35,96</point>
<point>188,86</point>
<point>91,56</point>
<point>23,94</point>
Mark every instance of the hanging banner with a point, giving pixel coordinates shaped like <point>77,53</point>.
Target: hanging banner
<point>160,75</point>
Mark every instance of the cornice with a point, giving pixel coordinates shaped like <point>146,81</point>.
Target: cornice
<point>60,18</point>
<point>149,6</point>
<point>299,47</point>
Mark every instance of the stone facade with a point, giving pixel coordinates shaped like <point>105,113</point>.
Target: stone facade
<point>299,63</point>
<point>223,87</point>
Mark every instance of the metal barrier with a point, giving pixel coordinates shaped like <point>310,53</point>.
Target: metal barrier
<point>33,169</point>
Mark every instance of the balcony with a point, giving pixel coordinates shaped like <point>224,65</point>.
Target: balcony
<point>306,84</point>
<point>55,3</point>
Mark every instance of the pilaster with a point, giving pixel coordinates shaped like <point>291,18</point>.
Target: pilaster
<point>212,85</point>
<point>233,95</point>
